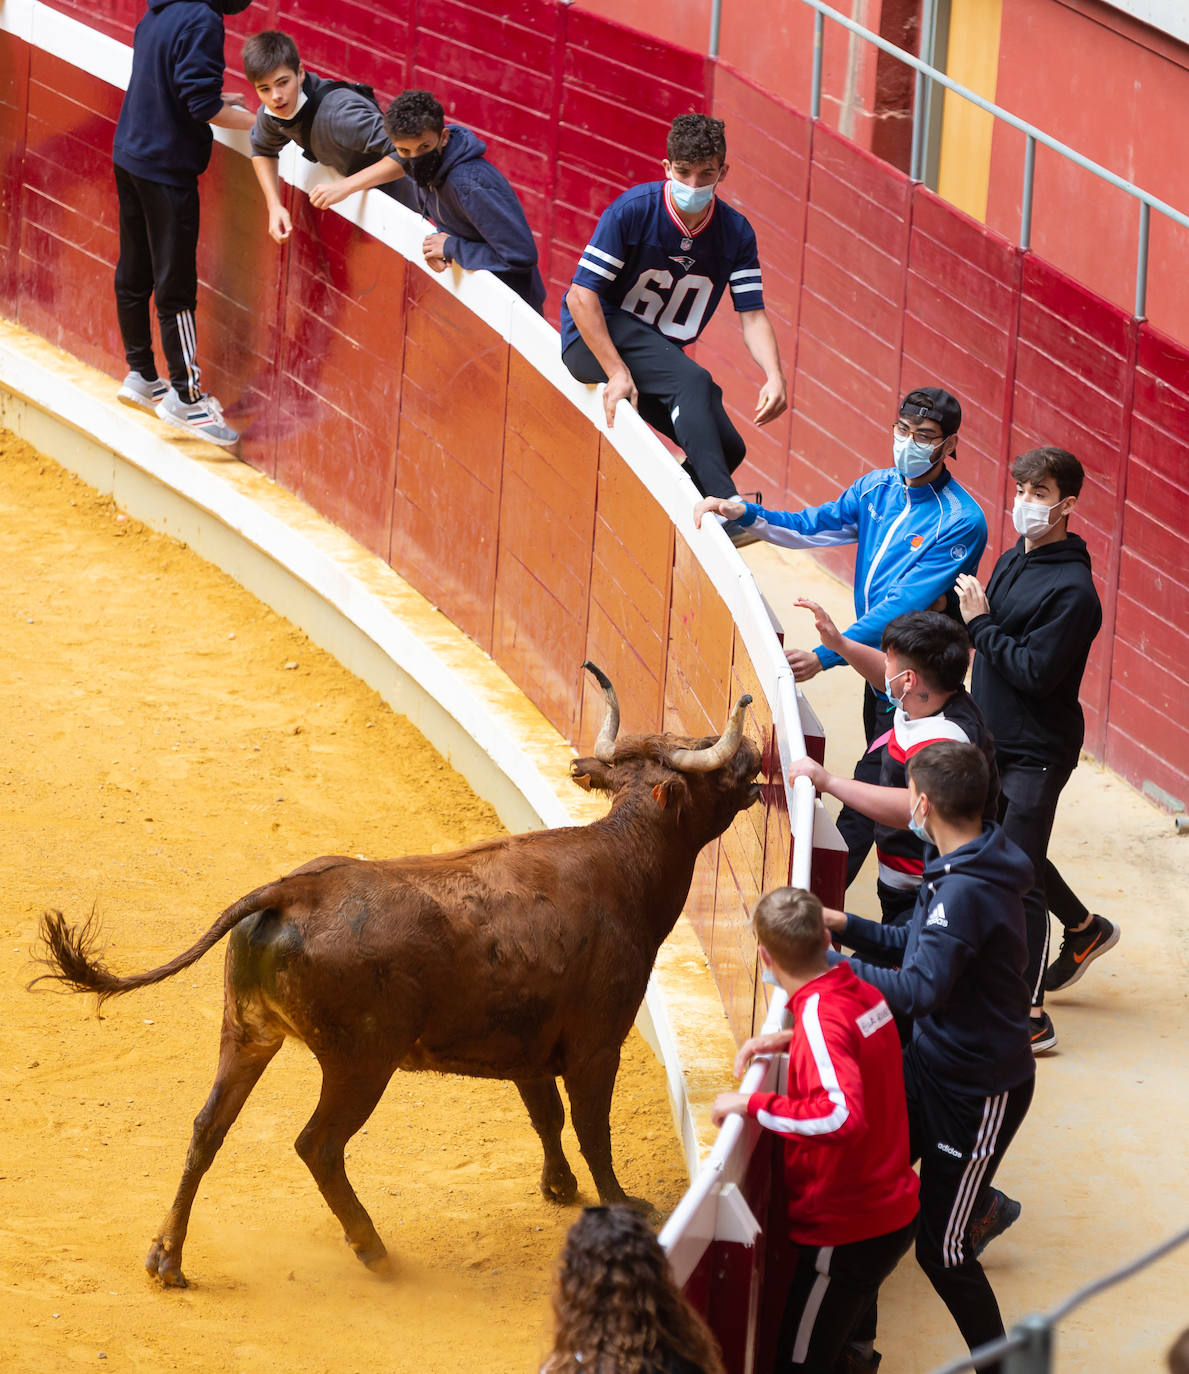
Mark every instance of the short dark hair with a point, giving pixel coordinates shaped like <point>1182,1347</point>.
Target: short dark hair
<point>788,923</point>
<point>265,52</point>
<point>954,777</point>
<point>936,646</point>
<point>412,112</point>
<point>1055,463</point>
<point>696,138</point>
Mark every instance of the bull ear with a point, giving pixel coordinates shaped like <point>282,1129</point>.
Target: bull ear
<point>591,775</point>
<point>670,793</point>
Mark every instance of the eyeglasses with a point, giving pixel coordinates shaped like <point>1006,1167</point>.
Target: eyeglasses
<point>904,431</point>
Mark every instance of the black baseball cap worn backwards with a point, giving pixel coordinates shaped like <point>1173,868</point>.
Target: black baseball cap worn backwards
<point>931,403</point>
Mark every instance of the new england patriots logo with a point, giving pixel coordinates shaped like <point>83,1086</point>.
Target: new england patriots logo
<point>686,263</point>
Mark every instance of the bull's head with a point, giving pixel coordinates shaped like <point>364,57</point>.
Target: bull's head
<point>705,782</point>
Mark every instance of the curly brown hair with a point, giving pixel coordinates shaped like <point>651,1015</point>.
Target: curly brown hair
<point>616,1307</point>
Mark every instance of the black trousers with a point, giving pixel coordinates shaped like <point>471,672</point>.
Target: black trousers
<point>678,397</point>
<point>833,1287</point>
<point>159,260</point>
<point>960,1139</point>
<point>1027,806</point>
<point>857,830</point>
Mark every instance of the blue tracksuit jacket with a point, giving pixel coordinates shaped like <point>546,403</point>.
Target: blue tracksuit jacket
<point>913,542</point>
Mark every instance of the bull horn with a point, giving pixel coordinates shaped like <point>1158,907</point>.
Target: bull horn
<point>714,755</point>
<point>604,746</point>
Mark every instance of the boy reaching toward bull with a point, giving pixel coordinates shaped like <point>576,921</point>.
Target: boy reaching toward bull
<point>852,1191</point>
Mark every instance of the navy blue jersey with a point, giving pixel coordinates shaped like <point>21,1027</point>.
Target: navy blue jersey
<point>643,259</point>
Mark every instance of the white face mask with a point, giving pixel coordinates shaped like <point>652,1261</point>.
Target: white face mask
<point>910,457</point>
<point>1031,520</point>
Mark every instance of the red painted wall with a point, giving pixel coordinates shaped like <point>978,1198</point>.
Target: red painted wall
<point>1121,100</point>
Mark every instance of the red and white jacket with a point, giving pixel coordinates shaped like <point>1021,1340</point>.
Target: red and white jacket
<point>844,1121</point>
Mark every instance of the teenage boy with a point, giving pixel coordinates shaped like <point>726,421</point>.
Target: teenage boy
<point>480,222</point>
<point>333,123</point>
<point>915,528</point>
<point>851,1187</point>
<point>645,287</point>
<point>162,145</point>
<point>921,668</point>
<point>1032,629</point>
<point>969,1070</point>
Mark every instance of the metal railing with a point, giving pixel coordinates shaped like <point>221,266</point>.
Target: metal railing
<point>927,76</point>
<point>1028,1347</point>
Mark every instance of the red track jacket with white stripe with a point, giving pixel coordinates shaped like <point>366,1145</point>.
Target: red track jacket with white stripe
<point>844,1121</point>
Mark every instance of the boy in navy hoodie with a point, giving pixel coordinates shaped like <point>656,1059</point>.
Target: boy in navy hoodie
<point>1032,631</point>
<point>851,1188</point>
<point>162,145</point>
<point>969,1070</point>
<point>480,222</point>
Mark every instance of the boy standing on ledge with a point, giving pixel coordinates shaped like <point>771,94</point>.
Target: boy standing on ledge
<point>162,145</point>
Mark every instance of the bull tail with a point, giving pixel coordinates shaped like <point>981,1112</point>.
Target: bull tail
<point>69,953</point>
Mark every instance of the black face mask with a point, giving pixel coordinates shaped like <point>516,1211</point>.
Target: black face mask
<point>231,6</point>
<point>425,167</point>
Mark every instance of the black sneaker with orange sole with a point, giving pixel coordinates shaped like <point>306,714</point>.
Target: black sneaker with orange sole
<point>1079,949</point>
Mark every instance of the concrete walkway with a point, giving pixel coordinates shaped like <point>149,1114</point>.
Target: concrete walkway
<point>1101,1165</point>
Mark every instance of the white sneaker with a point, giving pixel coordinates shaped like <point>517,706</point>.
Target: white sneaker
<point>139,391</point>
<point>203,417</point>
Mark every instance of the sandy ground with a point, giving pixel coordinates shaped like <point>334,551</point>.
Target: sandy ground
<point>1100,1162</point>
<point>168,743</point>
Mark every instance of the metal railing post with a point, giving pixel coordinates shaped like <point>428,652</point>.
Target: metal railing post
<point>815,96</point>
<point>1035,1356</point>
<point>1026,197</point>
<point>1141,261</point>
<point>715,26</point>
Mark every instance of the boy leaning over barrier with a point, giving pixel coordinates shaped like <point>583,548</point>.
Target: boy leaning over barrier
<point>968,1069</point>
<point>852,1191</point>
<point>333,122</point>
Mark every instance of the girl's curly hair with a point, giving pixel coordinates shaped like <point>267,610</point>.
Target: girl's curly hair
<point>616,1307</point>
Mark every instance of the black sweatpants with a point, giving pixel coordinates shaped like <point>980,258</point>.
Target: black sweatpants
<point>960,1138</point>
<point>833,1286</point>
<point>857,830</point>
<point>1028,799</point>
<point>159,259</point>
<point>677,397</point>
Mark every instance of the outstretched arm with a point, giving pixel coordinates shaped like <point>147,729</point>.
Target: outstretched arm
<point>378,174</point>
<point>268,175</point>
<point>760,340</point>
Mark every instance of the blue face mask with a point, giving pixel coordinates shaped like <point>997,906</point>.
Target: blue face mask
<point>887,686</point>
<point>691,199</point>
<point>910,457</point>
<point>918,830</point>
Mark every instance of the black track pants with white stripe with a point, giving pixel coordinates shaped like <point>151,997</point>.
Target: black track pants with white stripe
<point>159,260</point>
<point>960,1138</point>
<point>678,397</point>
<point>833,1286</point>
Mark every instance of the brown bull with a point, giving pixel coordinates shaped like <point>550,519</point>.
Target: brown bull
<point>524,958</point>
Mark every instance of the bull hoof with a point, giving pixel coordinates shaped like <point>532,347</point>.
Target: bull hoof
<point>561,1188</point>
<point>375,1256</point>
<point>162,1265</point>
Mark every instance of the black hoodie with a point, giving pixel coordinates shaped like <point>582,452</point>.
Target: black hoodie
<point>175,88</point>
<point>1032,650</point>
<point>964,954</point>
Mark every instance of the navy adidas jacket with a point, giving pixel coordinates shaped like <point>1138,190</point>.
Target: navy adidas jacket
<point>175,88</point>
<point>964,954</point>
<point>474,205</point>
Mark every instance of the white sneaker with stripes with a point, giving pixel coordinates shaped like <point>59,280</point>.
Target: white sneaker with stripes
<point>139,391</point>
<point>203,417</point>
